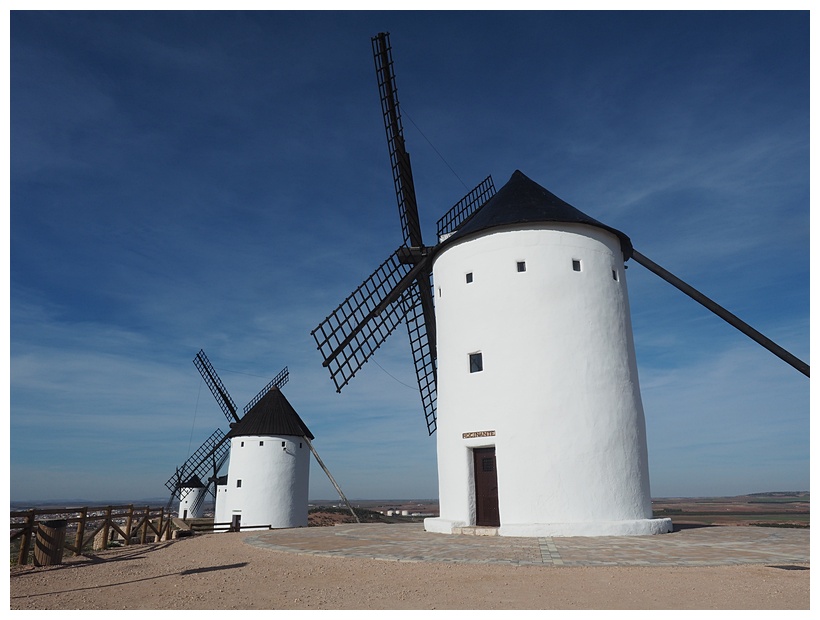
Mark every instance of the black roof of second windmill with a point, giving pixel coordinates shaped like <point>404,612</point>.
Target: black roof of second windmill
<point>523,201</point>
<point>193,483</point>
<point>272,415</point>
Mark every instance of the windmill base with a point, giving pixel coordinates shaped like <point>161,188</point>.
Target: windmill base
<point>638,527</point>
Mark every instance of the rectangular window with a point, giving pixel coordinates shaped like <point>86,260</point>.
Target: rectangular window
<point>469,277</point>
<point>241,444</point>
<point>261,443</point>
<point>238,483</point>
<point>614,275</point>
<point>283,444</point>
<point>521,266</point>
<point>476,362</point>
<point>576,264</point>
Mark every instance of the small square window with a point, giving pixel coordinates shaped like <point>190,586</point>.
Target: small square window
<point>261,443</point>
<point>576,264</point>
<point>521,265</point>
<point>283,444</point>
<point>476,362</point>
<point>469,277</point>
<point>238,484</point>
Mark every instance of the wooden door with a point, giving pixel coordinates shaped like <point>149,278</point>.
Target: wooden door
<point>486,487</point>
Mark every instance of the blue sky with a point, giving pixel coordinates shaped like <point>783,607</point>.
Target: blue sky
<point>221,181</point>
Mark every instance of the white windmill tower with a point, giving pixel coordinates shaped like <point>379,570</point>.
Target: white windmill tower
<point>209,459</point>
<point>192,496</point>
<point>203,464</point>
<point>540,414</point>
<point>268,453</point>
<point>519,321</point>
<point>269,467</point>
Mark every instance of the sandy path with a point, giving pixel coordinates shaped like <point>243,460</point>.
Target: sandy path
<point>222,572</point>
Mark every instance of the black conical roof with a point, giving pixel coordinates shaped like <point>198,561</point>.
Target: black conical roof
<point>193,483</point>
<point>272,415</point>
<point>523,201</point>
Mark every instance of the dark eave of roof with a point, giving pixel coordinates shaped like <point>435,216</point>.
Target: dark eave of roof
<point>272,415</point>
<point>523,201</point>
<point>193,483</point>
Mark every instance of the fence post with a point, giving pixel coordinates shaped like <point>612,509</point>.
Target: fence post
<point>101,540</point>
<point>159,525</point>
<point>165,525</point>
<point>107,527</point>
<point>25,544</point>
<point>145,526</point>
<point>128,521</point>
<point>48,549</point>
<point>168,532</point>
<point>78,540</point>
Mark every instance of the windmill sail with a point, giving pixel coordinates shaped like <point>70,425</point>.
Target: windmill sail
<point>401,288</point>
<point>727,316</point>
<point>418,303</point>
<point>216,386</point>
<point>464,208</point>
<point>350,335</point>
<point>198,464</point>
<point>399,157</point>
<point>175,485</point>
<point>277,382</point>
<point>217,461</point>
<point>421,330</point>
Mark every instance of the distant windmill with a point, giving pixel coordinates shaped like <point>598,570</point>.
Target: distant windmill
<point>268,452</point>
<point>186,484</point>
<point>525,363</point>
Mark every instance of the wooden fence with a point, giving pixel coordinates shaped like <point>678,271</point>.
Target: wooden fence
<point>98,525</point>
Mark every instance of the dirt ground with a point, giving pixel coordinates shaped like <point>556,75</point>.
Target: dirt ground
<point>218,571</point>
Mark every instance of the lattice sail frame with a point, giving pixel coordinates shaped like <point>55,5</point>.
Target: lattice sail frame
<point>199,463</point>
<point>216,386</point>
<point>401,288</point>
<point>359,325</point>
<point>277,382</point>
<point>210,487</point>
<point>464,208</point>
<point>423,347</point>
<point>356,328</point>
<point>399,157</point>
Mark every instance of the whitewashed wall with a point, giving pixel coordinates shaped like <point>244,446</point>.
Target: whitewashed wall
<point>559,387</point>
<point>187,502</point>
<point>222,512</point>
<point>274,482</point>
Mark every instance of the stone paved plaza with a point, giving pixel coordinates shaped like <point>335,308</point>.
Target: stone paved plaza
<point>695,546</point>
